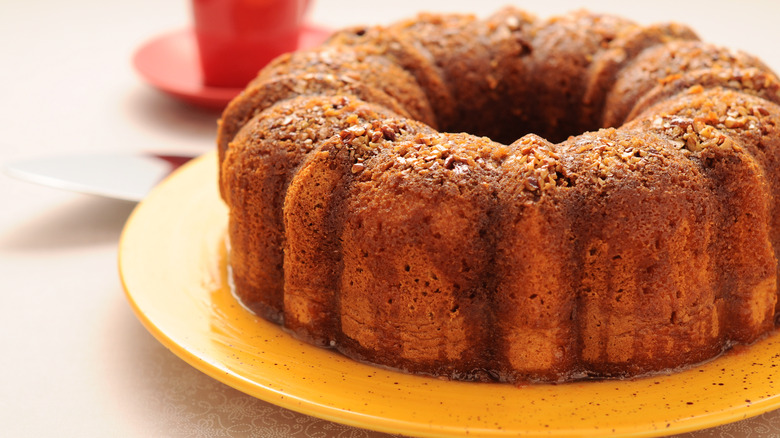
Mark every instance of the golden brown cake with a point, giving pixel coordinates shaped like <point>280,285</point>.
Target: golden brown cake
<point>611,212</point>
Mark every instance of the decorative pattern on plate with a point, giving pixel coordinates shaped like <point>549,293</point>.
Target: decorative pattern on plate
<point>195,405</point>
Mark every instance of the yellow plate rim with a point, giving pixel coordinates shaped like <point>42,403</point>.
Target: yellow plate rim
<point>171,263</point>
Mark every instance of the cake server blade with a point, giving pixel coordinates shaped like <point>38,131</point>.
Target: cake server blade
<point>120,176</point>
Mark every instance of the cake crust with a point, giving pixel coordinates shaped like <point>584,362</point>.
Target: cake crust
<point>509,198</point>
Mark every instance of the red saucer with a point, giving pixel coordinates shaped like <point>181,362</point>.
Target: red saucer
<point>170,63</point>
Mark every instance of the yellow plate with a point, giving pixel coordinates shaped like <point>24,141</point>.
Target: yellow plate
<point>172,262</point>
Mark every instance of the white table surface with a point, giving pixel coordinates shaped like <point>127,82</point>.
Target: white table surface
<point>75,360</point>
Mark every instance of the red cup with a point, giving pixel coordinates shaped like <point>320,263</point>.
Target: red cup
<point>236,38</point>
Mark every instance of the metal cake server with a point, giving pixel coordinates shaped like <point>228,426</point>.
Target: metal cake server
<point>128,176</point>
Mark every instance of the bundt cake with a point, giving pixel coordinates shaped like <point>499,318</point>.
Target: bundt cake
<point>633,227</point>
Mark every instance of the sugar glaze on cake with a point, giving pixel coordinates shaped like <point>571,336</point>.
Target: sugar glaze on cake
<point>611,212</point>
